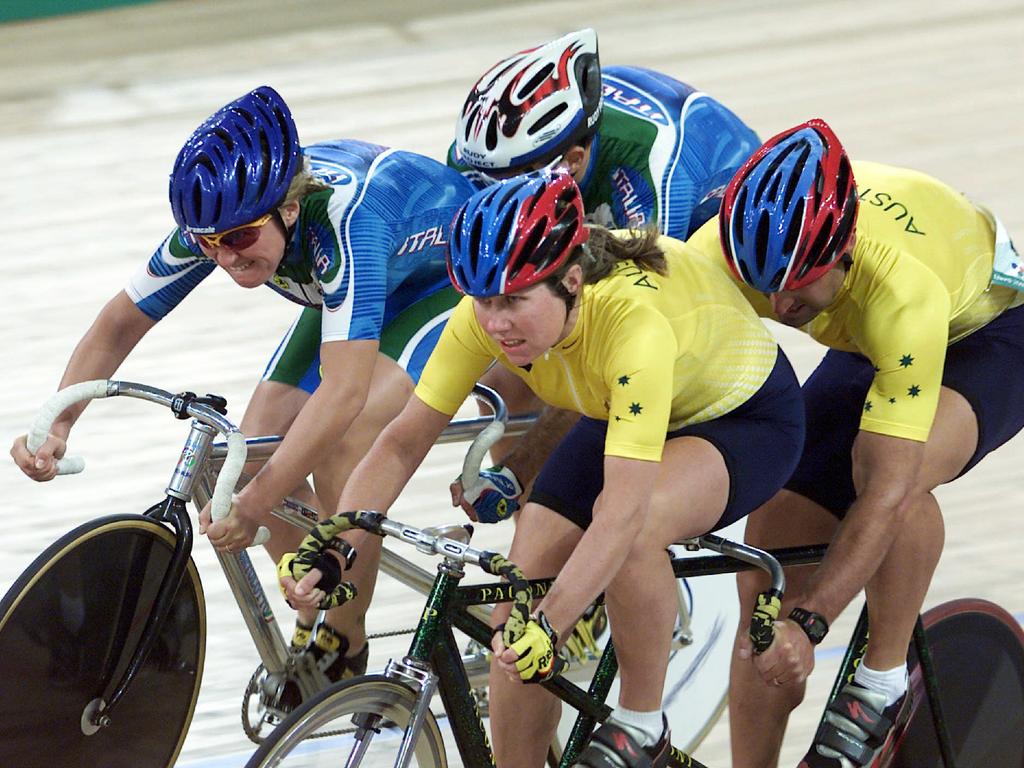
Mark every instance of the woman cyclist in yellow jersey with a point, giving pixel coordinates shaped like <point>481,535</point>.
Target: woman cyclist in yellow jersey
<point>893,271</point>
<point>691,418</point>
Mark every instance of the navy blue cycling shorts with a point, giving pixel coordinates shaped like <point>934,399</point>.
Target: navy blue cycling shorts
<point>986,367</point>
<point>760,441</point>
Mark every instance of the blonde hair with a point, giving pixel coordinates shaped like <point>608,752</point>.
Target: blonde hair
<point>303,183</point>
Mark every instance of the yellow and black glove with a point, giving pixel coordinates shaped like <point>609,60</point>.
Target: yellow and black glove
<point>313,553</point>
<point>536,648</point>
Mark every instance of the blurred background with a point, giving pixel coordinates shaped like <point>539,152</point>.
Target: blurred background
<point>95,105</point>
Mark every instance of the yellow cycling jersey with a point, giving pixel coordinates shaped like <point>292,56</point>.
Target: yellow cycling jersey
<point>921,279</point>
<point>648,353</point>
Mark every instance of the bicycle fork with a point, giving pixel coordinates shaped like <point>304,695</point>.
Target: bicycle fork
<point>171,510</point>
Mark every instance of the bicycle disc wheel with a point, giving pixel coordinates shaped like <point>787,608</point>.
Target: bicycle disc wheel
<point>68,627</point>
<point>367,713</point>
<point>978,652</point>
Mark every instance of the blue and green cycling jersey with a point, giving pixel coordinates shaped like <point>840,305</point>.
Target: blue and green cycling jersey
<point>363,251</point>
<point>662,154</point>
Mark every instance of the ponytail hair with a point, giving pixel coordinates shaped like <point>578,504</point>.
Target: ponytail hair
<point>603,250</point>
<point>606,249</point>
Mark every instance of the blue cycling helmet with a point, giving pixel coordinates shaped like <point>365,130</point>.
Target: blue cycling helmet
<point>789,212</point>
<point>237,165</point>
<point>515,233</point>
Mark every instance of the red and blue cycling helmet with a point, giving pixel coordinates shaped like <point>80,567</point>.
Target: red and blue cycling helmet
<point>515,233</point>
<point>790,211</point>
<point>236,166</point>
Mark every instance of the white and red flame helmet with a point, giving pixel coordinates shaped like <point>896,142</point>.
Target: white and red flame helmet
<point>532,106</point>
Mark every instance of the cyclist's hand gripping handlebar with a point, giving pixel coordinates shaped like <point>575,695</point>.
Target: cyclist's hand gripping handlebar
<point>488,436</point>
<point>54,407</point>
<point>92,390</point>
<point>769,603</point>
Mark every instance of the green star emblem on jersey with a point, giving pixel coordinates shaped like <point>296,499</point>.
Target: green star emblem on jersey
<point>914,391</point>
<point>635,409</point>
<point>906,361</point>
<point>867,405</point>
<point>623,381</point>
<point>892,401</point>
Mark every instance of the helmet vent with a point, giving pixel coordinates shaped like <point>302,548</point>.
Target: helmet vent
<point>471,120</point>
<point>531,249</point>
<point>794,179</point>
<point>505,228</point>
<point>819,253</point>
<point>769,172</point>
<point>738,230</point>
<point>761,241</point>
<point>492,132</point>
<point>475,242</point>
<point>547,118</point>
<point>224,136</point>
<point>266,167</point>
<point>535,82</point>
<point>796,223</point>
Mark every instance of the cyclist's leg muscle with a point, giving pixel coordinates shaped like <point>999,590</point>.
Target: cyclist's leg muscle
<point>524,717</point>
<point>758,713</point>
<point>690,494</point>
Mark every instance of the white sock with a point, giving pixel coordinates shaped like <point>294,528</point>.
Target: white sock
<point>891,682</point>
<point>645,727</point>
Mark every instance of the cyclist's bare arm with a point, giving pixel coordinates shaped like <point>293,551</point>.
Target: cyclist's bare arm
<point>347,368</point>
<point>885,472</point>
<point>383,473</point>
<point>113,335</point>
<point>618,512</point>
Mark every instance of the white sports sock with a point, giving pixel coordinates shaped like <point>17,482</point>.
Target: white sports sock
<point>891,682</point>
<point>645,727</point>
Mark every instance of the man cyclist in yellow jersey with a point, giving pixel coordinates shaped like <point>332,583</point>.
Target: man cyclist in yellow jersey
<point>900,276</point>
<point>691,418</point>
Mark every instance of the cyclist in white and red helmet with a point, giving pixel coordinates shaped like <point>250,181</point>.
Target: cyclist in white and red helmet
<point>646,150</point>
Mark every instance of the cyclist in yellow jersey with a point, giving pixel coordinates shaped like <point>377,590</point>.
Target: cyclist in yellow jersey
<point>691,418</point>
<point>900,276</point>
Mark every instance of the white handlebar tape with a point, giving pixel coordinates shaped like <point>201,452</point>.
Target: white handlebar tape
<point>54,407</point>
<point>223,491</point>
<point>488,436</point>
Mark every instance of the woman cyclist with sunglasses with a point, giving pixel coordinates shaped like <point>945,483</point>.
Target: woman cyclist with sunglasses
<point>690,418</point>
<point>351,231</point>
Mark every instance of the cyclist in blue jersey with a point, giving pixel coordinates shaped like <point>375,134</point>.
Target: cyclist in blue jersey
<point>645,149</point>
<point>356,234</point>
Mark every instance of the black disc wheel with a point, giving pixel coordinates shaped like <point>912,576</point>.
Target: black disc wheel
<point>68,627</point>
<point>978,652</point>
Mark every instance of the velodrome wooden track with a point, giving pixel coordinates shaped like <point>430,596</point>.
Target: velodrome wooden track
<point>93,109</point>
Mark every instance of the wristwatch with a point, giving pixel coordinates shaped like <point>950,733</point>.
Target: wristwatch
<point>813,624</point>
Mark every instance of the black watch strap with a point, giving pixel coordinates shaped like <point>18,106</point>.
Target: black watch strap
<point>813,624</point>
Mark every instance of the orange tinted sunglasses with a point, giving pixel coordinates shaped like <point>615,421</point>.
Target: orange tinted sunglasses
<point>236,238</point>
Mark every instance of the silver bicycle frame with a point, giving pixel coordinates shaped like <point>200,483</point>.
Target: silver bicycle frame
<point>241,576</point>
